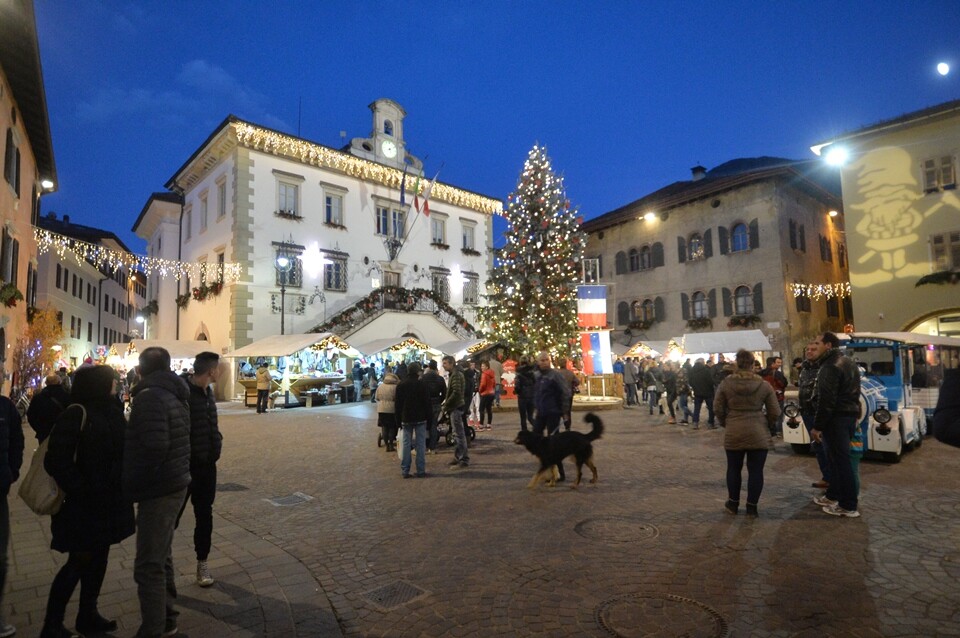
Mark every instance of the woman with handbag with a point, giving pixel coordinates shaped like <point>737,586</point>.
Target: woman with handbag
<point>85,458</point>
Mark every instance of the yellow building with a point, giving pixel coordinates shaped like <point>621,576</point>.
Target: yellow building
<point>899,180</point>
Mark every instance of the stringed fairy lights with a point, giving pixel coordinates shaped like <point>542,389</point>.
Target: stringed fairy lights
<point>308,153</point>
<point>816,291</point>
<point>107,258</point>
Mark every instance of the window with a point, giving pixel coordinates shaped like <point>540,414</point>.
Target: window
<point>695,248</point>
<point>833,307</point>
<point>646,310</point>
<point>623,313</point>
<point>939,174</point>
<point>335,274</point>
<point>438,231</point>
<point>399,219</point>
<point>841,255</point>
<point>66,278</point>
<point>826,249</point>
<point>803,303</point>
<point>471,288</point>
<point>441,283</point>
<point>634,257</point>
<point>11,162</point>
<point>221,198</point>
<point>391,221</point>
<point>646,258</point>
<point>333,209</point>
<point>945,251</point>
<point>187,223</point>
<point>73,287</point>
<point>59,273</point>
<point>383,220</point>
<point>204,212</point>
<point>743,300</point>
<point>636,311</point>
<point>90,331</point>
<point>739,238</point>
<point>287,195</point>
<point>793,235</point>
<point>387,127</point>
<point>468,237</point>
<point>220,263</point>
<point>292,278</point>
<point>698,306</point>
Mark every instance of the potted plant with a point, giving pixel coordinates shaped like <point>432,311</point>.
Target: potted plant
<point>151,308</point>
<point>183,300</point>
<point>10,295</point>
<point>743,321</point>
<point>699,323</point>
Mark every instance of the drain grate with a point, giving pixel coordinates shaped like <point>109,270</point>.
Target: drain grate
<point>659,615</point>
<point>294,499</point>
<point>616,529</point>
<point>394,595</point>
<point>232,487</point>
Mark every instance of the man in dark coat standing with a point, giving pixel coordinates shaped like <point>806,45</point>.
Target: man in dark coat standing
<point>205,446</point>
<point>156,473</point>
<point>47,406</point>
<point>551,395</point>
<point>412,404</point>
<point>437,388</point>
<point>701,382</point>
<point>11,458</point>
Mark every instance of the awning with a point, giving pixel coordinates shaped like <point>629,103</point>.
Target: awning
<point>286,345</point>
<point>728,341</point>
<point>177,349</point>
<point>459,346</point>
<point>379,345</point>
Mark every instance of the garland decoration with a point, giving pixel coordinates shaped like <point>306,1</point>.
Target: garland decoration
<point>10,295</point>
<point>816,291</point>
<point>403,299</point>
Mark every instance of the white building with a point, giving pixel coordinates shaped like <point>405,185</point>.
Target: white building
<point>249,195</point>
<point>97,305</point>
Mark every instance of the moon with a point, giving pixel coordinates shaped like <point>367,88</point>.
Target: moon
<point>943,68</point>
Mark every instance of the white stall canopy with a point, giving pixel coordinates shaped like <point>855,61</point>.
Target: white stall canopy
<point>460,347</point>
<point>394,343</point>
<point>287,345</point>
<point>178,349</point>
<point>728,341</point>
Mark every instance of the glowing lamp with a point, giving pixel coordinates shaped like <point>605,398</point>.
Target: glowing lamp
<point>837,156</point>
<point>833,213</point>
<point>650,216</point>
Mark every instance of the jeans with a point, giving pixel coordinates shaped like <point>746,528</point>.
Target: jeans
<point>433,430</point>
<point>818,448</point>
<point>262,396</point>
<point>631,394</point>
<point>461,452</point>
<point>755,461</point>
<point>671,399</point>
<point>836,439</point>
<point>420,428</point>
<point>684,401</point>
<point>497,391</point>
<point>201,492</point>
<point>777,428</point>
<point>85,568</point>
<point>153,566</point>
<point>526,405</point>
<point>697,402</point>
<point>357,388</point>
<point>486,407</point>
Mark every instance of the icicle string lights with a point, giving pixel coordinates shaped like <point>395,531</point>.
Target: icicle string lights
<point>816,291</point>
<point>103,257</point>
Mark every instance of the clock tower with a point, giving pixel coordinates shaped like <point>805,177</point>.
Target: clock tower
<point>385,144</point>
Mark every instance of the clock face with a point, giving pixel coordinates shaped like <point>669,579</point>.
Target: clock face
<point>389,149</point>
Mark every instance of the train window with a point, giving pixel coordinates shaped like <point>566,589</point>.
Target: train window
<point>874,361</point>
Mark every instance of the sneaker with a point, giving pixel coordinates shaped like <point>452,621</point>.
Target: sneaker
<point>204,579</point>
<point>170,629</point>
<point>6,629</point>
<point>684,422</point>
<point>454,463</point>
<point>836,510</point>
<point>823,501</point>
<point>752,511</point>
<point>464,463</point>
<point>732,506</point>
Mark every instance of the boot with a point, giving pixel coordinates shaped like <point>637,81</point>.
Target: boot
<point>95,624</point>
<point>52,629</point>
<point>752,510</point>
<point>732,506</point>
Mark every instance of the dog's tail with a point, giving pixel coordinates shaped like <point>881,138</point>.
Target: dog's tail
<point>597,424</point>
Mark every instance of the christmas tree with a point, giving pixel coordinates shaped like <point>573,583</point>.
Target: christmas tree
<point>532,305</point>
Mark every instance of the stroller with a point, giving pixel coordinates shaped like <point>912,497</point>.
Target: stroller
<point>445,428</point>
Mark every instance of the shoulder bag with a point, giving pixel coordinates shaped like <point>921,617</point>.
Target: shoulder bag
<point>38,489</point>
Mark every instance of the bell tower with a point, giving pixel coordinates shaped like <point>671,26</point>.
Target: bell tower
<point>385,144</point>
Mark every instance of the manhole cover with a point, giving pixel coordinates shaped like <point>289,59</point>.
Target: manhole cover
<point>394,595</point>
<point>294,499</point>
<point>659,615</point>
<point>232,487</point>
<point>616,529</point>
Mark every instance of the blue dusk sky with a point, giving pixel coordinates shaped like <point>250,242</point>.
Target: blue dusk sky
<point>626,96</point>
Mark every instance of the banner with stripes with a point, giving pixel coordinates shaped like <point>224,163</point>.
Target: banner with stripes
<point>591,306</point>
<point>597,357</point>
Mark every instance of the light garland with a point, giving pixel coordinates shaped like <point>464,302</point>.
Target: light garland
<point>278,144</point>
<point>474,349</point>
<point>816,291</point>
<point>409,343</point>
<point>332,341</point>
<point>103,257</point>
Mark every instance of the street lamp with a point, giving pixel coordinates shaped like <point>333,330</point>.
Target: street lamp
<point>284,264</point>
<point>140,319</point>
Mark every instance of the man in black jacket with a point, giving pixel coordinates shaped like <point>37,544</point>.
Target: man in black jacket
<point>156,473</point>
<point>47,406</point>
<point>412,403</point>
<point>837,400</point>
<point>437,388</point>
<point>205,446</point>
<point>11,458</point>
<point>701,382</point>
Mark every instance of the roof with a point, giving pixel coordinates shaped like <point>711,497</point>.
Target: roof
<point>20,59</point>
<point>279,345</point>
<point>726,341</point>
<point>901,121</point>
<point>81,232</point>
<point>163,196</point>
<point>810,174</point>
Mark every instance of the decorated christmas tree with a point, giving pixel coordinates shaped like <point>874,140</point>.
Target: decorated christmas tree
<point>532,304</point>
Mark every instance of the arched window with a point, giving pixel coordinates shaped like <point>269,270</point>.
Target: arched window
<point>646,259</point>
<point>743,300</point>
<point>623,313</point>
<point>646,310</point>
<point>634,260</point>
<point>636,311</point>
<point>694,247</point>
<point>387,127</point>
<point>698,306</point>
<point>739,238</point>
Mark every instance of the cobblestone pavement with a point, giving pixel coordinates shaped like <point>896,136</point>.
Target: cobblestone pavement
<point>648,551</point>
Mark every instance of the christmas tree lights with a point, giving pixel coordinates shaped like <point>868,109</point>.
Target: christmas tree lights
<point>532,300</point>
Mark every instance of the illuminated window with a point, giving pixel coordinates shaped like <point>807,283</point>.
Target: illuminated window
<point>646,310</point>
<point>945,249</point>
<point>441,283</point>
<point>636,311</point>
<point>698,306</point>
<point>939,173</point>
<point>739,238</point>
<point>292,278</point>
<point>646,261</point>
<point>695,248</point>
<point>743,300</point>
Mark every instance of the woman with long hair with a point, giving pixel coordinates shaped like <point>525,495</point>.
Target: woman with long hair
<point>85,457</point>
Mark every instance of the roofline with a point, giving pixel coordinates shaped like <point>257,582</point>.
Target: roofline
<point>171,197</point>
<point>99,233</point>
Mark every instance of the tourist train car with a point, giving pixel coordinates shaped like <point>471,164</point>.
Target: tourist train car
<point>901,373</point>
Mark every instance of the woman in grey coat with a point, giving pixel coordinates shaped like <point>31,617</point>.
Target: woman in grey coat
<point>746,406</point>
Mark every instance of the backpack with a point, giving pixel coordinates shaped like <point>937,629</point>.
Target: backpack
<point>38,489</point>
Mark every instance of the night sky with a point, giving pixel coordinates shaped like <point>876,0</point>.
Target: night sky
<point>627,96</point>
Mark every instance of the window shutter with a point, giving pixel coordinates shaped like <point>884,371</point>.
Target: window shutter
<point>754,234</point>
<point>712,302</point>
<point>659,309</point>
<point>657,255</point>
<point>15,263</point>
<point>793,234</point>
<point>727,302</point>
<point>623,313</point>
<point>723,235</point>
<point>803,238</point>
<point>599,268</point>
<point>707,244</point>
<point>621,262</point>
<point>682,249</point>
<point>16,176</point>
<point>685,305</point>
<point>758,299</point>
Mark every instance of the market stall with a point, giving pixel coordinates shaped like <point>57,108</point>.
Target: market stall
<point>726,342</point>
<point>462,348</point>
<point>396,349</point>
<point>305,368</point>
<point>124,356</point>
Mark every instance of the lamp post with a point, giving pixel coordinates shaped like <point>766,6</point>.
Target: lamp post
<point>283,265</point>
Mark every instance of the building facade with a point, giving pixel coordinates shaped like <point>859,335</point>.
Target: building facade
<point>28,171</point>
<point>250,195</point>
<point>903,218</point>
<point>749,244</point>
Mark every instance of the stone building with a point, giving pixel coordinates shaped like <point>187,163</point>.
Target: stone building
<point>748,244</point>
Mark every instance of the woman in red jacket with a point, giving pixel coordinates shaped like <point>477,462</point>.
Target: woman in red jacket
<point>488,385</point>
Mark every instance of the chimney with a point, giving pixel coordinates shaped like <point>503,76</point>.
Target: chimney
<point>66,219</point>
<point>699,172</point>
<point>52,216</point>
